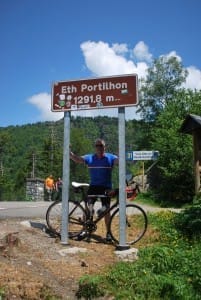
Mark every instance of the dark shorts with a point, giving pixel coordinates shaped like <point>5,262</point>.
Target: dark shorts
<point>98,190</point>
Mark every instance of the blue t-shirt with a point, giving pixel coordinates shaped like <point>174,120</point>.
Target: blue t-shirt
<point>100,169</point>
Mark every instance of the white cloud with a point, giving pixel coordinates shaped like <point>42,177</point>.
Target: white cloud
<point>172,53</point>
<point>101,59</point>
<point>141,52</point>
<point>120,48</point>
<point>43,103</point>
<point>193,80</point>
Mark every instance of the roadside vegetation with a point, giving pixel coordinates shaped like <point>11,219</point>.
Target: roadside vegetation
<point>168,266</point>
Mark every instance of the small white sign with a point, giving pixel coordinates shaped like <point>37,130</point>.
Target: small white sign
<point>142,155</point>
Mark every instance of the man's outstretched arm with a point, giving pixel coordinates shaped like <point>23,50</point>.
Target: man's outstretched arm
<point>76,158</point>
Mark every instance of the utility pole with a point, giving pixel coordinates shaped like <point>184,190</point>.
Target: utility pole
<point>52,138</point>
<point>1,168</point>
<point>1,162</point>
<point>33,165</point>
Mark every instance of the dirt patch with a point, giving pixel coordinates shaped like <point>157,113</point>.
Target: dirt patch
<point>33,266</point>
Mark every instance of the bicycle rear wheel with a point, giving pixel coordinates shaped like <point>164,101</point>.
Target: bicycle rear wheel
<point>76,218</point>
<point>136,224</point>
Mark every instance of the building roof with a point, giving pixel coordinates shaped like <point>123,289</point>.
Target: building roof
<point>190,124</point>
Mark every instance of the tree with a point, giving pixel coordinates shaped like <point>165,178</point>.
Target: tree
<point>173,178</point>
<point>164,78</point>
<point>4,145</point>
<point>50,159</point>
<point>79,145</point>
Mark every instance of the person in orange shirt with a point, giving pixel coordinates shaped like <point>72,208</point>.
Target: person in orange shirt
<point>49,186</point>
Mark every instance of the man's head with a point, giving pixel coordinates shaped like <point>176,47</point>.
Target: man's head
<point>100,147</point>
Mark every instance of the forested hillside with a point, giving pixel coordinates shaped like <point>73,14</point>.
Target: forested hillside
<point>36,150</point>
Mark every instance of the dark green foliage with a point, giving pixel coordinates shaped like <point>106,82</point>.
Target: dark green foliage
<point>164,106</point>
<point>173,177</point>
<point>89,288</point>
<point>169,269</point>
<point>189,221</point>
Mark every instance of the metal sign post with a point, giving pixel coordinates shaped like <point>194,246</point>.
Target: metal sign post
<point>66,179</point>
<point>122,182</point>
<point>95,93</point>
<point>143,176</point>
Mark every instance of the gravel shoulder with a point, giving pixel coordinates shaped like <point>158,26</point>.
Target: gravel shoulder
<point>34,264</point>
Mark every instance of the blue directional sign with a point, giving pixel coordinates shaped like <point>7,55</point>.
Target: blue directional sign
<point>142,155</point>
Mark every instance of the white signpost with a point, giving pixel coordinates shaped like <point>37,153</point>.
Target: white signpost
<point>142,155</point>
<point>95,93</point>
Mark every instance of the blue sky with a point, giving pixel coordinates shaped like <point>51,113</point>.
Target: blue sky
<point>43,41</point>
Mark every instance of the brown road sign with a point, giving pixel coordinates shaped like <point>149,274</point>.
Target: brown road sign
<point>104,92</point>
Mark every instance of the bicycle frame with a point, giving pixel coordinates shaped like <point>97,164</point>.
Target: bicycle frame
<point>131,194</point>
<point>85,197</point>
<point>108,210</point>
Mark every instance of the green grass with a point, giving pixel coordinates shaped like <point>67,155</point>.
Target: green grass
<point>145,198</point>
<point>168,267</point>
<point>2,293</point>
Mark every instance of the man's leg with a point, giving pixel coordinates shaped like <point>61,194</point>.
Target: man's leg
<point>91,202</point>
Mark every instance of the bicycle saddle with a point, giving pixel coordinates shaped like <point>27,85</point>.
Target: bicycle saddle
<point>79,184</point>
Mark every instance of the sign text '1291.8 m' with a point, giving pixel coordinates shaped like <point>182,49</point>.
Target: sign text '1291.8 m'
<point>95,93</point>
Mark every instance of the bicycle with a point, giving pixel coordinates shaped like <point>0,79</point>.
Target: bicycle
<point>82,221</point>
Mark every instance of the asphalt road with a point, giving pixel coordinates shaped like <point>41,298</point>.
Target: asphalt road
<point>20,209</point>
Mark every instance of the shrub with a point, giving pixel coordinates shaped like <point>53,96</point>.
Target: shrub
<point>89,288</point>
<point>189,221</point>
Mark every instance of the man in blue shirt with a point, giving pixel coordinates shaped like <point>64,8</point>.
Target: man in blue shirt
<point>100,165</point>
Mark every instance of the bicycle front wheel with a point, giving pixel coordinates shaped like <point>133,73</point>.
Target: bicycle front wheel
<point>136,224</point>
<point>76,218</point>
